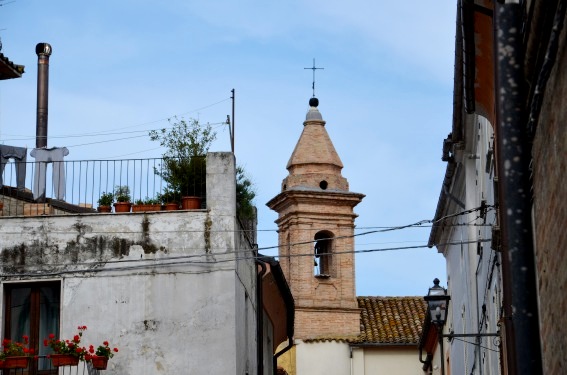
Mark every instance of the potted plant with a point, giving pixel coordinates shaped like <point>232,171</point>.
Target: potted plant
<point>15,354</point>
<point>66,352</point>
<point>99,357</point>
<point>169,200</point>
<point>184,166</point>
<point>148,204</point>
<point>122,195</point>
<point>184,162</point>
<point>105,202</point>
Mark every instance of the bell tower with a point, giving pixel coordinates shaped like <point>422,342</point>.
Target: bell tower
<point>316,228</point>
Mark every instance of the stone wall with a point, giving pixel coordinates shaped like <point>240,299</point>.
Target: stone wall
<point>550,214</point>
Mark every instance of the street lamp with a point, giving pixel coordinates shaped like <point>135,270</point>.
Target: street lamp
<point>437,304</point>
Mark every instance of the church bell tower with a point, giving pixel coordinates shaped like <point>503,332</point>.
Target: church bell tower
<point>316,228</point>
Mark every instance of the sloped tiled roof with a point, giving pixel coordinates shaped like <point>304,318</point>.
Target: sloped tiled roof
<point>8,69</point>
<point>386,320</point>
<point>391,320</point>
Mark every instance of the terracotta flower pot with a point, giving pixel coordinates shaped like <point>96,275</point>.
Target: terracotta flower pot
<point>104,209</point>
<point>99,363</point>
<point>122,206</point>
<point>16,362</point>
<point>146,207</point>
<point>171,206</point>
<point>58,360</point>
<point>190,203</point>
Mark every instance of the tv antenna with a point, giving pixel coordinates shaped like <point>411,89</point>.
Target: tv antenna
<point>314,68</point>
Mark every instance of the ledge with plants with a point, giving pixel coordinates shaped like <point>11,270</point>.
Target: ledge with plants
<point>105,202</point>
<point>99,357</point>
<point>66,352</point>
<point>184,167</point>
<point>122,195</point>
<point>14,354</point>
<point>70,352</point>
<point>148,204</point>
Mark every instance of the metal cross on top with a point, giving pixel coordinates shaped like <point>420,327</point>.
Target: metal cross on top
<point>313,68</point>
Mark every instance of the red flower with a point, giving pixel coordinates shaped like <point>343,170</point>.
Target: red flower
<point>51,335</point>
<point>45,342</point>
<point>115,350</point>
<point>76,338</point>
<point>105,343</point>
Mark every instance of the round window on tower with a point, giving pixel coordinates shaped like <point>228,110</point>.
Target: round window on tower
<point>323,185</point>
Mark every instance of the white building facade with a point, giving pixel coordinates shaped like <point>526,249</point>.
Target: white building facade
<point>174,291</point>
<point>466,233</point>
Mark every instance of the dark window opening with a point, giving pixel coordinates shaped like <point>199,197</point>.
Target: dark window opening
<point>323,254</point>
<point>323,185</point>
<point>33,309</point>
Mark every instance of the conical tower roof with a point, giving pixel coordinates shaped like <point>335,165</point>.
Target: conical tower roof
<point>314,162</point>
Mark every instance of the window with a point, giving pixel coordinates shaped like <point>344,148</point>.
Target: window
<point>323,254</point>
<point>32,309</point>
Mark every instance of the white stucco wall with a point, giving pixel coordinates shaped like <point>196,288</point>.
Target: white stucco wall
<point>163,286</point>
<point>386,360</point>
<point>322,358</point>
<point>473,268</point>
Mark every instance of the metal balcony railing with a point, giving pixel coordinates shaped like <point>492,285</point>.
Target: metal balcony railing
<point>41,365</point>
<point>76,186</point>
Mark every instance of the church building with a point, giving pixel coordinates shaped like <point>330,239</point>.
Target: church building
<point>336,332</point>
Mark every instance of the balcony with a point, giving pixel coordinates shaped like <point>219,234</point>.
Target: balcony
<point>74,187</point>
<point>41,364</point>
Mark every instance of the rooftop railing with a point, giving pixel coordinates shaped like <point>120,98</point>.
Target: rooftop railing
<point>76,186</point>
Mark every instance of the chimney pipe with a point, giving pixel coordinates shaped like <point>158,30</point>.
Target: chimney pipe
<point>43,51</point>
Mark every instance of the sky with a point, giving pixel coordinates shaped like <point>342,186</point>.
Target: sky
<point>385,93</point>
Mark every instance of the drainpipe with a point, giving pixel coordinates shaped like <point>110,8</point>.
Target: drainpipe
<point>278,354</point>
<point>513,156</point>
<point>260,316</point>
<point>43,51</point>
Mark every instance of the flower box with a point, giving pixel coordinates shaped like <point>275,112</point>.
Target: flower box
<point>58,360</point>
<point>146,207</point>
<point>16,362</point>
<point>99,363</point>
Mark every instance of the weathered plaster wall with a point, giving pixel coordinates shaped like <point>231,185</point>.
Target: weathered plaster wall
<point>162,286</point>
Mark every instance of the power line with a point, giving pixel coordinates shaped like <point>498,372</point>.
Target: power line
<point>113,131</point>
<point>187,260</point>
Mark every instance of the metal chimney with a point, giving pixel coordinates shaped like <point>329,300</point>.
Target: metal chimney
<point>43,51</point>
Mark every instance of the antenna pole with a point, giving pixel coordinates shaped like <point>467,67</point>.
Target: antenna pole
<point>232,132</point>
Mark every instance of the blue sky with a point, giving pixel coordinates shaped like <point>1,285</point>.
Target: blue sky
<point>385,92</point>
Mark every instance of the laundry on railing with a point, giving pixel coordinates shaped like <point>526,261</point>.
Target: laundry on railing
<point>43,156</point>
<point>19,154</point>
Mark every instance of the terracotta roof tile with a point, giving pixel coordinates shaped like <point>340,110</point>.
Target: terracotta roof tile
<point>386,320</point>
<point>8,69</point>
<point>391,320</point>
